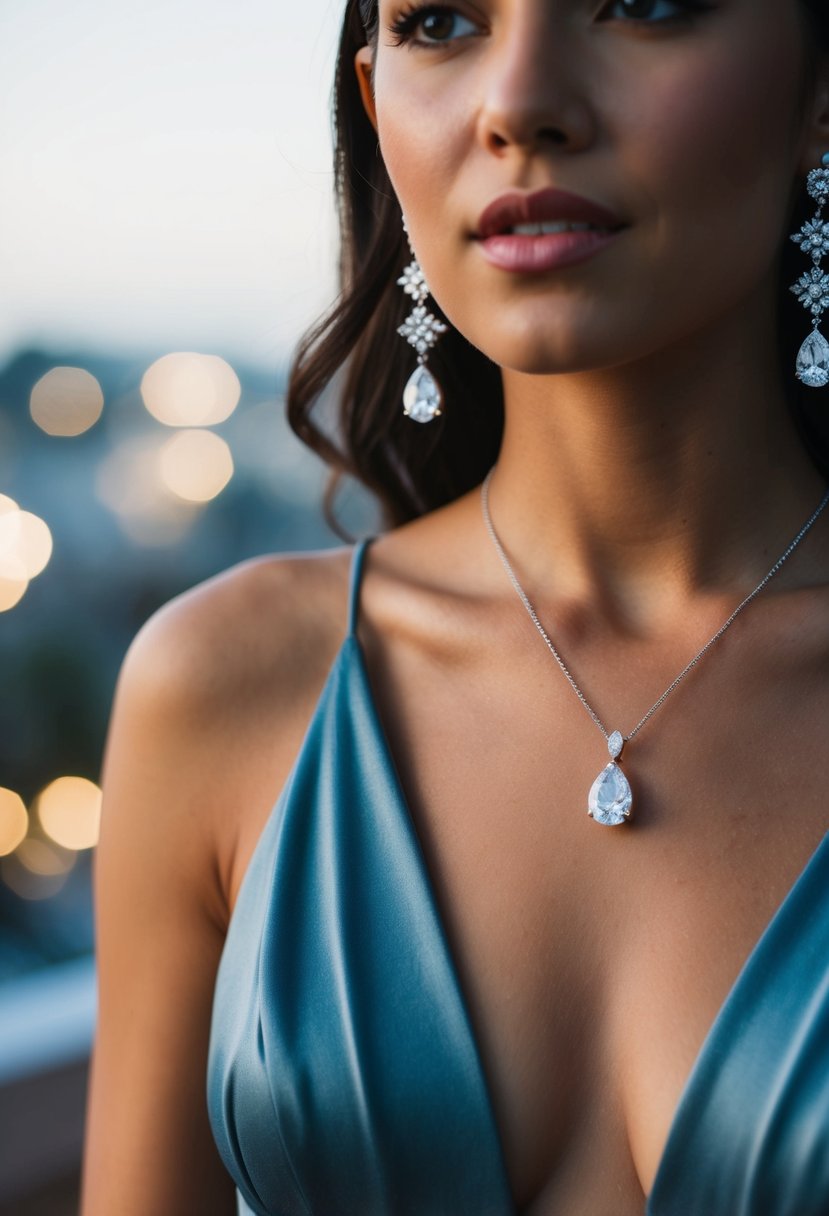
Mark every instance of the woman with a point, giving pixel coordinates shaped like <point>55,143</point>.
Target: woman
<point>445,989</point>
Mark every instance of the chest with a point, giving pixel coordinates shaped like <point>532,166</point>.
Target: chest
<point>594,960</point>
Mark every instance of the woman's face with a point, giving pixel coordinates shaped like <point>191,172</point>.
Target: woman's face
<point>687,119</point>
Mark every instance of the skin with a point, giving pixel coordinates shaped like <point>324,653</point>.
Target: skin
<point>648,479</point>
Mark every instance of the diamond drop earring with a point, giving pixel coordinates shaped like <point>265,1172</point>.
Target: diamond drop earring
<point>422,396</point>
<point>812,288</point>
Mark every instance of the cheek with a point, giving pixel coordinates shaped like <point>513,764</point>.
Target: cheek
<point>422,132</point>
<point>716,139</point>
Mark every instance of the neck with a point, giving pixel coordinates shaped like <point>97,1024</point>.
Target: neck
<point>634,487</point>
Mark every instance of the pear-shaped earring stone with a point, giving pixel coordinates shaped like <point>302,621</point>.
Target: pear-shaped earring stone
<point>813,361</point>
<point>422,397</point>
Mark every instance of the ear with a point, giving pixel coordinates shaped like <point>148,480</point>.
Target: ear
<point>816,135</point>
<point>364,64</point>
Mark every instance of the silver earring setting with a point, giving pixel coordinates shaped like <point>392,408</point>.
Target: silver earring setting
<point>812,288</point>
<point>422,396</point>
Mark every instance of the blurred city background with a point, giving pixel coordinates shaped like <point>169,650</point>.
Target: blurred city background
<point>166,233</point>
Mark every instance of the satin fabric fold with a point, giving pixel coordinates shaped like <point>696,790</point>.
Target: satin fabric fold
<point>750,1136</point>
<point>343,1074</point>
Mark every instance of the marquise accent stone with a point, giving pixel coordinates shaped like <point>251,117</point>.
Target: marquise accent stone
<point>610,799</point>
<point>615,744</point>
<point>813,361</point>
<point>422,397</point>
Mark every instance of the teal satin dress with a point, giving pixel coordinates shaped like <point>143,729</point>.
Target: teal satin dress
<point>344,1078</point>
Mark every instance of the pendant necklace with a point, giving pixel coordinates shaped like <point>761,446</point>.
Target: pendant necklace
<point>610,800</point>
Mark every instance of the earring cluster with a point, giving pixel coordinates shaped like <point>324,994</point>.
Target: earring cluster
<point>812,288</point>
<point>422,396</point>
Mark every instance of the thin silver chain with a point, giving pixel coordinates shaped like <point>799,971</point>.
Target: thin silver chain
<point>534,616</point>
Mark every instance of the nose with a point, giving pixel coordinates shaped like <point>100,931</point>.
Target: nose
<point>535,95</point>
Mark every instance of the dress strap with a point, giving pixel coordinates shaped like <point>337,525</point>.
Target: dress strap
<point>358,553</point>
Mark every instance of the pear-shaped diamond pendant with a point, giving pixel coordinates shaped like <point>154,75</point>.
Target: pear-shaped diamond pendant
<point>610,799</point>
<point>813,361</point>
<point>422,397</point>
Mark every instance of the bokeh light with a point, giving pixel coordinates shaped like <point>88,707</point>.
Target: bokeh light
<point>129,482</point>
<point>189,389</point>
<point>33,545</point>
<point>66,401</point>
<point>40,857</point>
<point>9,529</point>
<point>196,465</point>
<point>13,584</point>
<point>14,820</point>
<point>36,869</point>
<point>69,811</point>
<point>25,549</point>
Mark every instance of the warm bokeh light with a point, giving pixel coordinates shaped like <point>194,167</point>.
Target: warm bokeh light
<point>43,859</point>
<point>9,524</point>
<point>66,401</point>
<point>196,465</point>
<point>129,482</point>
<point>26,538</point>
<point>25,549</point>
<point>14,820</point>
<point>13,583</point>
<point>188,389</point>
<point>69,811</point>
<point>36,869</point>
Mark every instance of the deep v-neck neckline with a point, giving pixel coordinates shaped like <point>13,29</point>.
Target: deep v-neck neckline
<point>353,643</point>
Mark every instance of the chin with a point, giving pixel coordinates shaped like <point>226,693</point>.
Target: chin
<point>544,341</point>
<point>566,344</point>
<point>538,357</point>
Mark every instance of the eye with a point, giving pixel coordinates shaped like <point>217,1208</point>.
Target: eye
<point>439,23</point>
<point>655,12</point>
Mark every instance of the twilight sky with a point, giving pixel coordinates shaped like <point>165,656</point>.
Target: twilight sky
<point>165,172</point>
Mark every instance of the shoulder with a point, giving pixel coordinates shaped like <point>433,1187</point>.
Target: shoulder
<point>210,706</point>
<point>250,630</point>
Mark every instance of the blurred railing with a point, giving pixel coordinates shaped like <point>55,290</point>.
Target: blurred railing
<point>46,1025</point>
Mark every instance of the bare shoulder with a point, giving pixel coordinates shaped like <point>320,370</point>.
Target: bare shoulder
<point>251,629</point>
<point>212,701</point>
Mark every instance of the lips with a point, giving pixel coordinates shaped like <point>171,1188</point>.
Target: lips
<point>549,206</point>
<point>546,231</point>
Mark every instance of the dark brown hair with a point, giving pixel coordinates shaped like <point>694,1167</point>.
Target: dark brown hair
<point>355,351</point>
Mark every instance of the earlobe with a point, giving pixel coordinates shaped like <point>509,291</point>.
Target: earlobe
<point>364,65</point>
